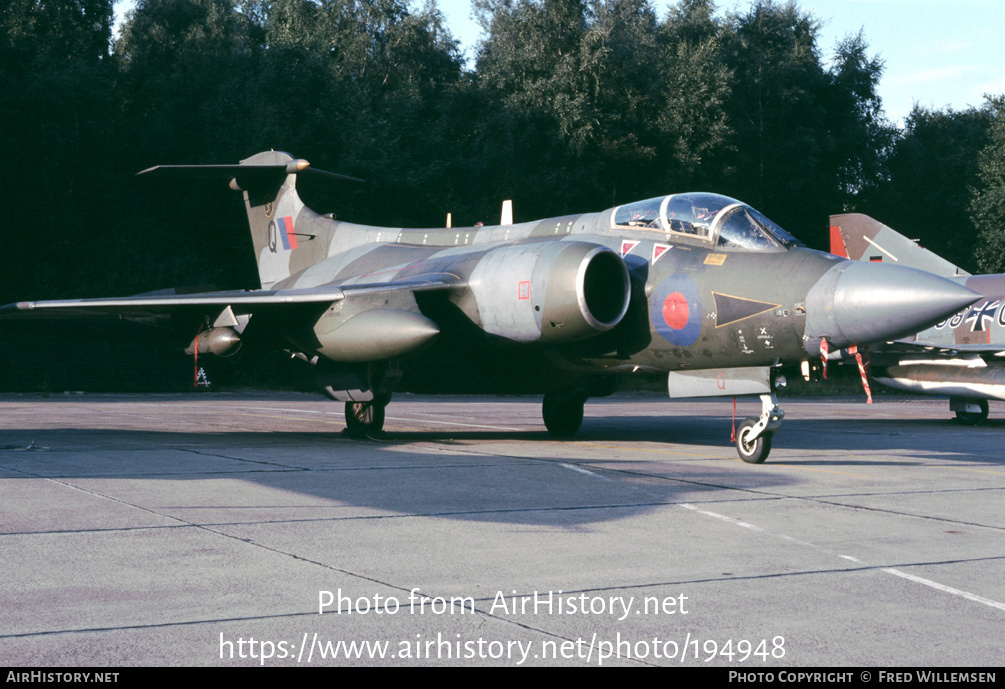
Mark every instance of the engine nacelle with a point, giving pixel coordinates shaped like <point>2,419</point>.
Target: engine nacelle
<point>548,292</point>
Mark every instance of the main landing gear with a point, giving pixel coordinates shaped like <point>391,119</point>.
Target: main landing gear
<point>753,439</point>
<point>563,412</point>
<point>969,412</point>
<point>364,419</point>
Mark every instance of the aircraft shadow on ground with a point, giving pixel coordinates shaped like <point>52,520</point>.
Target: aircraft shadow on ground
<point>452,476</point>
<point>463,475</point>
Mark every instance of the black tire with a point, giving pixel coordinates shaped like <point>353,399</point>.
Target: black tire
<point>363,418</point>
<point>971,418</point>
<point>563,413</point>
<point>756,451</point>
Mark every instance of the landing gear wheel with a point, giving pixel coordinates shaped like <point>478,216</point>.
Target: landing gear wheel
<point>752,451</point>
<point>363,418</point>
<point>563,413</point>
<point>970,418</point>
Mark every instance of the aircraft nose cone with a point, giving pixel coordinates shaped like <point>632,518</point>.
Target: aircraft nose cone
<point>858,303</point>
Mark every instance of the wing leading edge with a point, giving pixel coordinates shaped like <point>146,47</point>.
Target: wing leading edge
<point>240,301</point>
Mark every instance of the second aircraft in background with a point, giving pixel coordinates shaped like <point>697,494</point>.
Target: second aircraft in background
<point>962,356</point>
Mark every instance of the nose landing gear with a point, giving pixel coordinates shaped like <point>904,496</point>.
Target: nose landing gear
<point>753,439</point>
<point>364,419</point>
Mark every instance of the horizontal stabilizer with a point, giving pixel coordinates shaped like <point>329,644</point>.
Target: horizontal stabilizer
<point>247,175</point>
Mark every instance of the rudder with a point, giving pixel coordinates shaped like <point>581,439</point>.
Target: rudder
<point>269,181</point>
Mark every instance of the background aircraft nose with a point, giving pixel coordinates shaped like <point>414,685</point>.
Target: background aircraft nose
<point>859,303</point>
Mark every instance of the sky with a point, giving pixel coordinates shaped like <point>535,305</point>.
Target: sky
<point>937,53</point>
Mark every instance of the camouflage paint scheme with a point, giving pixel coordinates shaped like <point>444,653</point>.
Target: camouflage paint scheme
<point>682,284</point>
<point>960,356</point>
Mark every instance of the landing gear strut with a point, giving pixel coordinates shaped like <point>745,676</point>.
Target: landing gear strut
<point>753,439</point>
<point>563,413</point>
<point>364,418</point>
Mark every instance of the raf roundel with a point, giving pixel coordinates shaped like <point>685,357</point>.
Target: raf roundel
<point>676,311</point>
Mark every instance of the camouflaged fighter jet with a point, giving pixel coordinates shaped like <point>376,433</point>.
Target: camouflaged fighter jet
<point>961,356</point>
<point>697,286</point>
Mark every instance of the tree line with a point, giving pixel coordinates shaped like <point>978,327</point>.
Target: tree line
<point>568,106</point>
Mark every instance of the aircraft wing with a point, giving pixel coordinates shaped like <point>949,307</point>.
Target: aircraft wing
<point>240,301</point>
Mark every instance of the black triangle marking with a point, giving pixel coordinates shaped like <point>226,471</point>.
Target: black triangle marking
<point>730,309</point>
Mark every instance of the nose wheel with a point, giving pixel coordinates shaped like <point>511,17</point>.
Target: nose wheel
<point>753,438</point>
<point>364,418</point>
<point>752,450</point>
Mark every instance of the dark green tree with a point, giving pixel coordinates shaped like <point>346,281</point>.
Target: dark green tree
<point>359,86</point>
<point>862,135</point>
<point>56,105</point>
<point>369,87</point>
<point>774,108</point>
<point>987,204</point>
<point>694,84</point>
<point>187,82</point>
<point>804,137</point>
<point>188,76</point>
<point>930,173</point>
<point>527,80</point>
<point>597,103</point>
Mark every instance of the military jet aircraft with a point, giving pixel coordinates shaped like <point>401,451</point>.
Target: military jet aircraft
<point>962,356</point>
<point>697,286</point>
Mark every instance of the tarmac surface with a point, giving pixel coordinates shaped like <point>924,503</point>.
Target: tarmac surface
<point>210,529</point>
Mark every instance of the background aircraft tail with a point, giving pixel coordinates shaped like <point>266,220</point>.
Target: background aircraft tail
<point>861,238</point>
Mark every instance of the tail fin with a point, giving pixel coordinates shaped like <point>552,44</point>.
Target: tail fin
<point>269,182</point>
<point>861,238</point>
<point>287,235</point>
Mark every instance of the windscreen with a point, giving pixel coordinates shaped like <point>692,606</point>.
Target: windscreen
<point>743,227</point>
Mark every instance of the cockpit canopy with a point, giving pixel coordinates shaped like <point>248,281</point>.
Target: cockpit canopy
<point>717,220</point>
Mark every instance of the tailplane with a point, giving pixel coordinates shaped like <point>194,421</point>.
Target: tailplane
<point>287,235</point>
